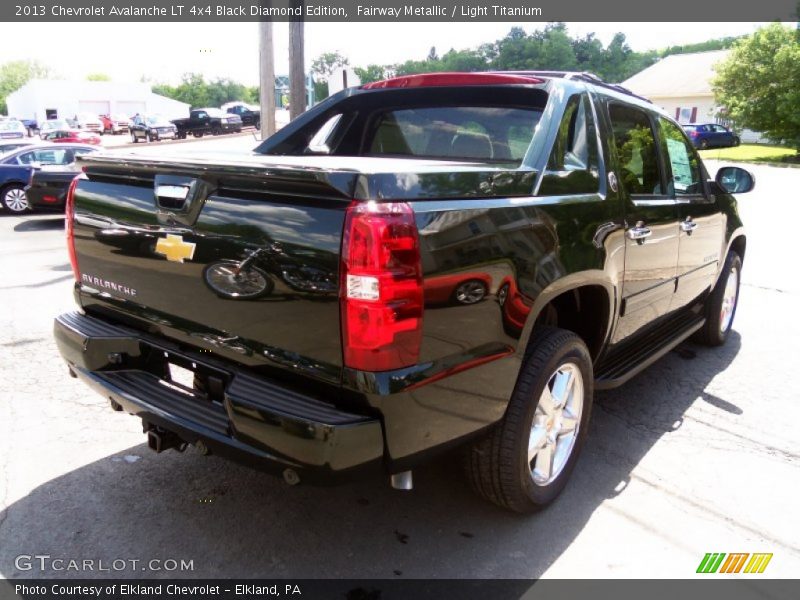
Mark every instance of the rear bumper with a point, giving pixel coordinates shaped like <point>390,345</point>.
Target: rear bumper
<point>255,421</point>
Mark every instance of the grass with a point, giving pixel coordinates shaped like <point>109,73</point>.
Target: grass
<point>757,153</point>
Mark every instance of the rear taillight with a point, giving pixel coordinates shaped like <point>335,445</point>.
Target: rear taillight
<point>693,134</point>
<point>381,287</point>
<point>69,226</point>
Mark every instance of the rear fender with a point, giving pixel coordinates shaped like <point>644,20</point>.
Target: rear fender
<point>571,282</point>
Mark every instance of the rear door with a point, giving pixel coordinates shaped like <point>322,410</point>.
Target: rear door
<point>651,217</point>
<point>701,229</point>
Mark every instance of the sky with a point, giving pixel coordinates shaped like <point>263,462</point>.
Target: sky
<point>162,52</point>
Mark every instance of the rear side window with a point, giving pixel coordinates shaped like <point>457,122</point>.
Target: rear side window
<point>58,156</point>
<point>472,133</point>
<point>319,144</point>
<point>636,150</point>
<point>573,166</point>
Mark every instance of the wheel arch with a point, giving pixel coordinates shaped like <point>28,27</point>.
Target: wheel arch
<point>12,183</point>
<point>738,244</point>
<point>583,303</point>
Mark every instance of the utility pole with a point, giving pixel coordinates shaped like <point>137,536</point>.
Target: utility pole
<point>266,78</point>
<point>297,75</point>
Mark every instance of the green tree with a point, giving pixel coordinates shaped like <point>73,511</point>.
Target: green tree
<point>98,77</point>
<point>708,45</point>
<point>371,73</point>
<point>759,83</point>
<point>323,67</point>
<point>196,91</point>
<point>15,74</point>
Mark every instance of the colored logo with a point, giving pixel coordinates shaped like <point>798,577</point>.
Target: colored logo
<point>174,248</point>
<point>742,562</point>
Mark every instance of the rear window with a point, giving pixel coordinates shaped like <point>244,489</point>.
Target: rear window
<point>472,133</point>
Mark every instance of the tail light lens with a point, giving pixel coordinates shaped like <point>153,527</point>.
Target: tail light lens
<point>381,295</point>
<point>69,226</point>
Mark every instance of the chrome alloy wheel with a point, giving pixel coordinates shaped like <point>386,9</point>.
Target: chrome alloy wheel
<point>555,424</point>
<point>729,300</point>
<point>470,292</point>
<point>16,200</point>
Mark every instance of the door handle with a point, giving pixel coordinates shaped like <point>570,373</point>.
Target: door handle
<point>639,232</point>
<point>688,226</point>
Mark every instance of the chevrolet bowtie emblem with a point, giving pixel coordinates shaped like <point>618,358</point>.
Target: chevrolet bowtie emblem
<point>174,248</point>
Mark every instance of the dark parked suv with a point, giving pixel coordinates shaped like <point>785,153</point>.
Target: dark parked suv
<point>417,264</point>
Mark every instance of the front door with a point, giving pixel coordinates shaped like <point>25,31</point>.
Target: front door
<point>651,217</point>
<point>701,231</point>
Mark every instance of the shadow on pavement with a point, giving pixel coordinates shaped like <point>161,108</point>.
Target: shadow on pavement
<point>235,522</point>
<point>46,224</point>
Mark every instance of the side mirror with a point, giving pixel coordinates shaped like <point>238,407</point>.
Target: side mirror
<point>735,180</point>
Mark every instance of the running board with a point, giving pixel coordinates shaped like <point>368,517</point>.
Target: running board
<point>628,362</point>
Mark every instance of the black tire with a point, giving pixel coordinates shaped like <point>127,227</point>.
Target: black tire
<point>471,291</point>
<point>134,139</point>
<point>497,465</point>
<point>715,332</point>
<point>12,201</point>
<point>736,141</point>
<point>197,134</point>
<point>703,144</point>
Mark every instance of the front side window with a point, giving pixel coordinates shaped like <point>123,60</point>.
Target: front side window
<point>473,133</point>
<point>683,160</point>
<point>573,166</point>
<point>636,150</point>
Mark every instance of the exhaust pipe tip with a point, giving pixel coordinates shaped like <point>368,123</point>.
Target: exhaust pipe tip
<point>402,481</point>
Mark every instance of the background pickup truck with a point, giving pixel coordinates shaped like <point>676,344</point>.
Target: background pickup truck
<point>207,120</point>
<point>250,117</point>
<point>422,263</point>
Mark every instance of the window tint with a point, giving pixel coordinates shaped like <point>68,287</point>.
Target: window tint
<point>636,150</point>
<point>57,156</point>
<point>683,160</point>
<point>573,165</point>
<point>455,132</point>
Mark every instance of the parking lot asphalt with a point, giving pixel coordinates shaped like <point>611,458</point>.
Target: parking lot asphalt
<point>698,454</point>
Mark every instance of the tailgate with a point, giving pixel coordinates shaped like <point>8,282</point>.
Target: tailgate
<point>239,259</point>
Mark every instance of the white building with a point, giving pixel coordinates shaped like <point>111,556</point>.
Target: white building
<point>681,84</point>
<point>44,99</point>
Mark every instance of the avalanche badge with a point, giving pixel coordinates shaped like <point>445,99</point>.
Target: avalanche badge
<point>174,248</point>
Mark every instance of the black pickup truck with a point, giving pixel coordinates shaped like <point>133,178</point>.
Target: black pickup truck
<point>202,121</point>
<point>424,263</point>
<point>250,117</point>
